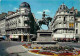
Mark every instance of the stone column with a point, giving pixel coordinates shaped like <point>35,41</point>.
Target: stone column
<point>38,37</point>
<point>21,37</point>
<point>28,37</point>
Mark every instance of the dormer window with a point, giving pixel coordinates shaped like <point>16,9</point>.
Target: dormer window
<point>71,12</point>
<point>63,7</point>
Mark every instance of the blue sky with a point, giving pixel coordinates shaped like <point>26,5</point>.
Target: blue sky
<point>37,6</point>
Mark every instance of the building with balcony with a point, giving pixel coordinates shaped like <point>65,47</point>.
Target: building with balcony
<point>19,25</point>
<point>63,23</point>
<point>77,24</point>
<point>2,25</point>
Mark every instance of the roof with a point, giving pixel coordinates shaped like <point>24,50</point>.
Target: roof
<point>2,16</point>
<point>24,4</point>
<point>63,7</point>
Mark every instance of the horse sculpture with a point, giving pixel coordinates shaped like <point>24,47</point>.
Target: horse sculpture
<point>45,21</point>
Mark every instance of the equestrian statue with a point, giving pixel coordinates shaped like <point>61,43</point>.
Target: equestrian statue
<point>45,20</point>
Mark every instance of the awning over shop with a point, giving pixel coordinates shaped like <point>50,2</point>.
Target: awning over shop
<point>63,36</point>
<point>69,36</point>
<point>58,36</point>
<point>13,36</point>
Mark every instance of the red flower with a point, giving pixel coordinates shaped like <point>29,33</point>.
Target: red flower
<point>35,51</point>
<point>79,52</point>
<point>66,54</point>
<point>29,44</point>
<point>46,53</point>
<point>24,45</point>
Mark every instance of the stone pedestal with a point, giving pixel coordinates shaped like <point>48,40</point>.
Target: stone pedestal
<point>44,39</point>
<point>44,35</point>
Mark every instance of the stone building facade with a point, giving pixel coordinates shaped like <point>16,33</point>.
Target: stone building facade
<point>77,23</point>
<point>63,23</point>
<point>2,24</point>
<point>21,24</point>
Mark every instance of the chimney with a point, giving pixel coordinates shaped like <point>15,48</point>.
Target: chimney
<point>16,10</point>
<point>76,11</point>
<point>72,8</point>
<point>10,12</point>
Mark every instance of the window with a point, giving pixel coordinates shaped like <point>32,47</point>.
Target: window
<point>76,24</point>
<point>66,31</point>
<point>64,18</point>
<point>71,17</point>
<point>63,7</point>
<point>76,31</point>
<point>59,17</point>
<point>45,34</point>
<point>19,21</point>
<point>71,25</point>
<point>16,23</point>
<point>71,12</point>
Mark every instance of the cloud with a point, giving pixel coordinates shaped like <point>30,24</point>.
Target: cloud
<point>15,8</point>
<point>39,12</point>
<point>47,10</point>
<point>0,0</point>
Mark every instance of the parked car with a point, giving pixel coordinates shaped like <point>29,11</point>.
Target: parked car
<point>1,39</point>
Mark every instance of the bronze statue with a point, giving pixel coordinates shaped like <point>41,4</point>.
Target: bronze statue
<point>44,20</point>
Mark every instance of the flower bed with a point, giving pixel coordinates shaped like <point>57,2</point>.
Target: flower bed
<point>34,51</point>
<point>37,47</point>
<point>57,49</point>
<point>25,45</point>
<point>53,53</point>
<point>46,53</point>
<point>66,54</point>
<point>78,52</point>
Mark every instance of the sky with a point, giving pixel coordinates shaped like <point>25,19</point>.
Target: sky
<point>38,6</point>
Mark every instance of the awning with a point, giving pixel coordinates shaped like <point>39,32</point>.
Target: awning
<point>59,36</point>
<point>69,35</point>
<point>13,36</point>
